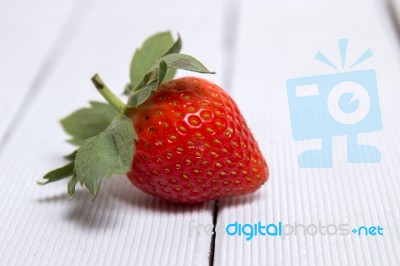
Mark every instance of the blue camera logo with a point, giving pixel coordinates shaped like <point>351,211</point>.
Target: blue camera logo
<point>325,106</point>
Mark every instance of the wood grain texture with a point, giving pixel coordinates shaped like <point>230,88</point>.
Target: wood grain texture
<point>278,41</point>
<point>29,37</point>
<point>38,225</point>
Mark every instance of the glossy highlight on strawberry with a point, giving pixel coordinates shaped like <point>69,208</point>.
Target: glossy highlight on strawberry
<point>183,140</point>
<point>194,144</point>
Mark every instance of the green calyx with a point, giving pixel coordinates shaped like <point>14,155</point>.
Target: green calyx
<point>103,132</point>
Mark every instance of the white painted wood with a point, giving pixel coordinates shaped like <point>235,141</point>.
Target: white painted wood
<point>275,41</point>
<point>278,41</point>
<point>38,225</point>
<point>28,33</point>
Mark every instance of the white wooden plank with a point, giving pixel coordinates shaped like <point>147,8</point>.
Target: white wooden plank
<point>278,41</point>
<point>28,32</point>
<point>38,225</point>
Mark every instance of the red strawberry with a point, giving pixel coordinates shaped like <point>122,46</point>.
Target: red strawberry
<point>184,140</point>
<point>194,145</point>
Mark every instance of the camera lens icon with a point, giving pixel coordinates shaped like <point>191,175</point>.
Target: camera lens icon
<point>348,102</point>
<point>339,104</point>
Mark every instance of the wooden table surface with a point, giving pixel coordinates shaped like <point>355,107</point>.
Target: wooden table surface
<point>50,49</point>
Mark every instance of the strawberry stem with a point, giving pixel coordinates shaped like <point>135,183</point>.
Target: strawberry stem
<point>110,97</point>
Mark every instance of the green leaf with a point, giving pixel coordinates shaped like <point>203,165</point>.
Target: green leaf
<point>110,152</point>
<point>88,122</point>
<point>71,185</point>
<point>148,54</point>
<point>158,74</point>
<point>127,90</point>
<point>162,71</point>
<point>186,62</point>
<point>171,72</point>
<point>58,174</point>
<point>176,47</point>
<point>142,95</point>
<point>71,156</point>
<point>150,76</point>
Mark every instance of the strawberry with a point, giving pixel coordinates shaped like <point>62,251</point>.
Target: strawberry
<point>194,145</point>
<point>183,140</point>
